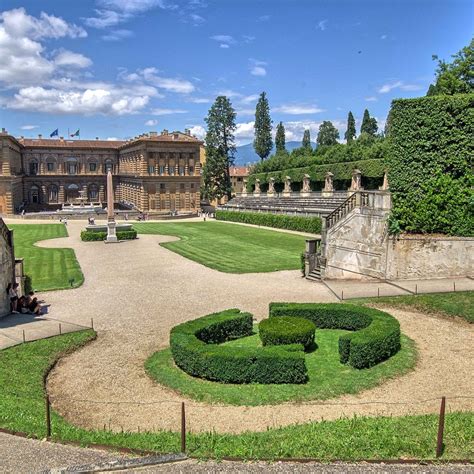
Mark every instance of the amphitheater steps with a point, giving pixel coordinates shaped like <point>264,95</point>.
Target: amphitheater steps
<point>315,275</point>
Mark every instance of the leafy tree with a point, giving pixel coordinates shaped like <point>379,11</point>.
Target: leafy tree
<point>328,134</point>
<point>280,140</point>
<point>456,77</point>
<point>369,124</point>
<point>220,149</point>
<point>306,144</point>
<point>351,128</point>
<point>263,143</point>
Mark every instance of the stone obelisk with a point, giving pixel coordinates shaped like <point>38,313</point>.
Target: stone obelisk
<point>111,235</point>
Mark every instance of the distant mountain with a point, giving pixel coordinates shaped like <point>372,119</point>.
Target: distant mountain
<point>246,154</point>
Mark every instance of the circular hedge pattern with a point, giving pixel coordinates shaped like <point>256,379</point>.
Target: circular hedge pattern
<point>287,330</point>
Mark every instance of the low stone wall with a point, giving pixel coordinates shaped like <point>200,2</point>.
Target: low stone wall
<point>6,267</point>
<point>429,257</point>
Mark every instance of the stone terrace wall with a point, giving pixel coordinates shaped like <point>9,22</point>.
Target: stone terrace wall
<point>6,267</point>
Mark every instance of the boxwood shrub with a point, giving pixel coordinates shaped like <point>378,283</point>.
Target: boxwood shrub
<point>287,330</point>
<point>91,236</point>
<point>196,350</point>
<point>376,336</point>
<point>280,221</point>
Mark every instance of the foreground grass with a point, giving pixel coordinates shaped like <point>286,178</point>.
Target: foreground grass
<point>328,378</point>
<point>49,269</point>
<point>231,248</point>
<point>459,304</point>
<point>22,369</point>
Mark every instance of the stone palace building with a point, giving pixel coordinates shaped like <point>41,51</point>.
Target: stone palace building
<point>151,173</point>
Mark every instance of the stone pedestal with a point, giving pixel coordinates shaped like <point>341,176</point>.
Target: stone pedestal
<point>257,188</point>
<point>111,234</point>
<point>306,190</point>
<point>356,183</point>
<point>244,189</point>
<point>271,187</point>
<point>328,189</point>
<point>287,188</point>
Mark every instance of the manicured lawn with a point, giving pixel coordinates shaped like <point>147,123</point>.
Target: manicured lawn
<point>328,378</point>
<point>231,248</point>
<point>49,269</point>
<point>459,304</point>
<point>22,369</point>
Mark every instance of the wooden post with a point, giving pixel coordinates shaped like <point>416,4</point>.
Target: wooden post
<point>439,442</point>
<point>60,331</point>
<point>183,428</point>
<point>92,323</point>
<point>454,286</point>
<point>24,337</point>
<point>416,288</point>
<point>48,417</point>
<point>378,292</point>
<point>342,295</point>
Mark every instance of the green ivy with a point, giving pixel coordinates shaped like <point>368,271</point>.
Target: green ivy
<point>430,164</point>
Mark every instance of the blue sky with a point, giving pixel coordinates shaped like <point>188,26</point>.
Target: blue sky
<point>117,68</point>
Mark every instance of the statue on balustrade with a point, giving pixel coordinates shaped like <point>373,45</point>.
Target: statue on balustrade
<point>271,186</point>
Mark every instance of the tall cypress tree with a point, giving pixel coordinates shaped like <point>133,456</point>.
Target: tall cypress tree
<point>351,128</point>
<point>369,124</point>
<point>220,149</point>
<point>328,134</point>
<point>280,140</point>
<point>263,142</point>
<point>306,143</point>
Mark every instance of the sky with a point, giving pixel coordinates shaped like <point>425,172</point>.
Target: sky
<point>118,68</point>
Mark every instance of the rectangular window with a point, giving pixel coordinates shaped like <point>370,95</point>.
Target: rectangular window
<point>33,168</point>
<point>162,186</point>
<point>171,170</point>
<point>181,186</point>
<point>71,168</point>
<point>192,185</point>
<point>50,166</point>
<point>191,170</point>
<point>181,170</point>
<point>92,166</point>
<point>151,170</point>
<point>162,169</point>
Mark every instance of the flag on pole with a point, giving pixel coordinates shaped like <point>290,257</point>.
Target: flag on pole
<point>54,134</point>
<point>76,134</point>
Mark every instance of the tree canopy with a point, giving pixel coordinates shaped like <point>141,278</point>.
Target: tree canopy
<point>328,134</point>
<point>369,124</point>
<point>351,128</point>
<point>263,142</point>
<point>306,143</point>
<point>280,140</point>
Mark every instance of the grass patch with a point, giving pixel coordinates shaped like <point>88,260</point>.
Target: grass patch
<point>328,378</point>
<point>231,248</point>
<point>459,304</point>
<point>23,367</point>
<point>49,269</point>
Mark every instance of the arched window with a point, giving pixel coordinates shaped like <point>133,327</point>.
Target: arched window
<point>93,192</point>
<point>53,193</point>
<point>50,164</point>
<point>108,166</point>
<point>33,167</point>
<point>71,166</point>
<point>93,166</point>
<point>34,194</point>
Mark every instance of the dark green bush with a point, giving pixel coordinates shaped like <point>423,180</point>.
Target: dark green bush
<point>93,236</point>
<point>287,330</point>
<point>194,349</point>
<point>280,221</point>
<point>376,336</point>
<point>430,164</point>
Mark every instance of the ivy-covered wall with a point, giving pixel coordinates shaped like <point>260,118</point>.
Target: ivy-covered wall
<point>342,171</point>
<point>430,164</point>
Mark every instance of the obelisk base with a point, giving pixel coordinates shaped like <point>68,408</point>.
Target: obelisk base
<point>111,235</point>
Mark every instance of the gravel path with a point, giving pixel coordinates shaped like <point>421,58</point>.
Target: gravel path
<point>137,291</point>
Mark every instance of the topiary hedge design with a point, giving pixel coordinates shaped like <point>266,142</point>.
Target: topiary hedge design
<point>196,349</point>
<point>376,336</point>
<point>374,168</point>
<point>278,221</point>
<point>287,330</point>
<point>91,236</point>
<point>430,164</point>
<point>197,346</point>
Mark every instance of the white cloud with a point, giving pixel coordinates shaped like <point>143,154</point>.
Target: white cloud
<point>383,37</point>
<point>151,123</point>
<point>248,38</point>
<point>199,100</point>
<point>29,127</point>
<point>22,55</point>
<point>150,76</point>
<point>295,109</point>
<point>69,59</point>
<point>105,18</point>
<point>117,35</point>
<point>263,18</point>
<point>399,85</point>
<point>196,19</point>
<point>250,98</point>
<point>105,100</point>
<point>258,71</point>
<point>112,139</point>
<point>371,99</point>
<point>244,132</point>
<point>225,40</point>
<point>198,130</point>
<point>245,112</point>
<point>229,93</point>
<point>168,111</point>
<point>322,25</point>
<point>224,46</point>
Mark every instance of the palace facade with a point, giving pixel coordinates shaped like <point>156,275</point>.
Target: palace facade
<point>151,173</point>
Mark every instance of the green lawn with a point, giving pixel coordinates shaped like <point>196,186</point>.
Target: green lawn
<point>459,304</point>
<point>328,378</point>
<point>49,269</point>
<point>231,248</point>
<point>23,367</point>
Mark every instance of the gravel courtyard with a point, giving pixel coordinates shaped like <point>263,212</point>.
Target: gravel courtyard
<point>137,291</point>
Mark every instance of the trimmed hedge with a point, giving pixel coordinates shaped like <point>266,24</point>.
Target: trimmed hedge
<point>376,336</point>
<point>374,168</point>
<point>280,221</point>
<point>91,236</point>
<point>195,349</point>
<point>430,164</point>
<point>287,330</point>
